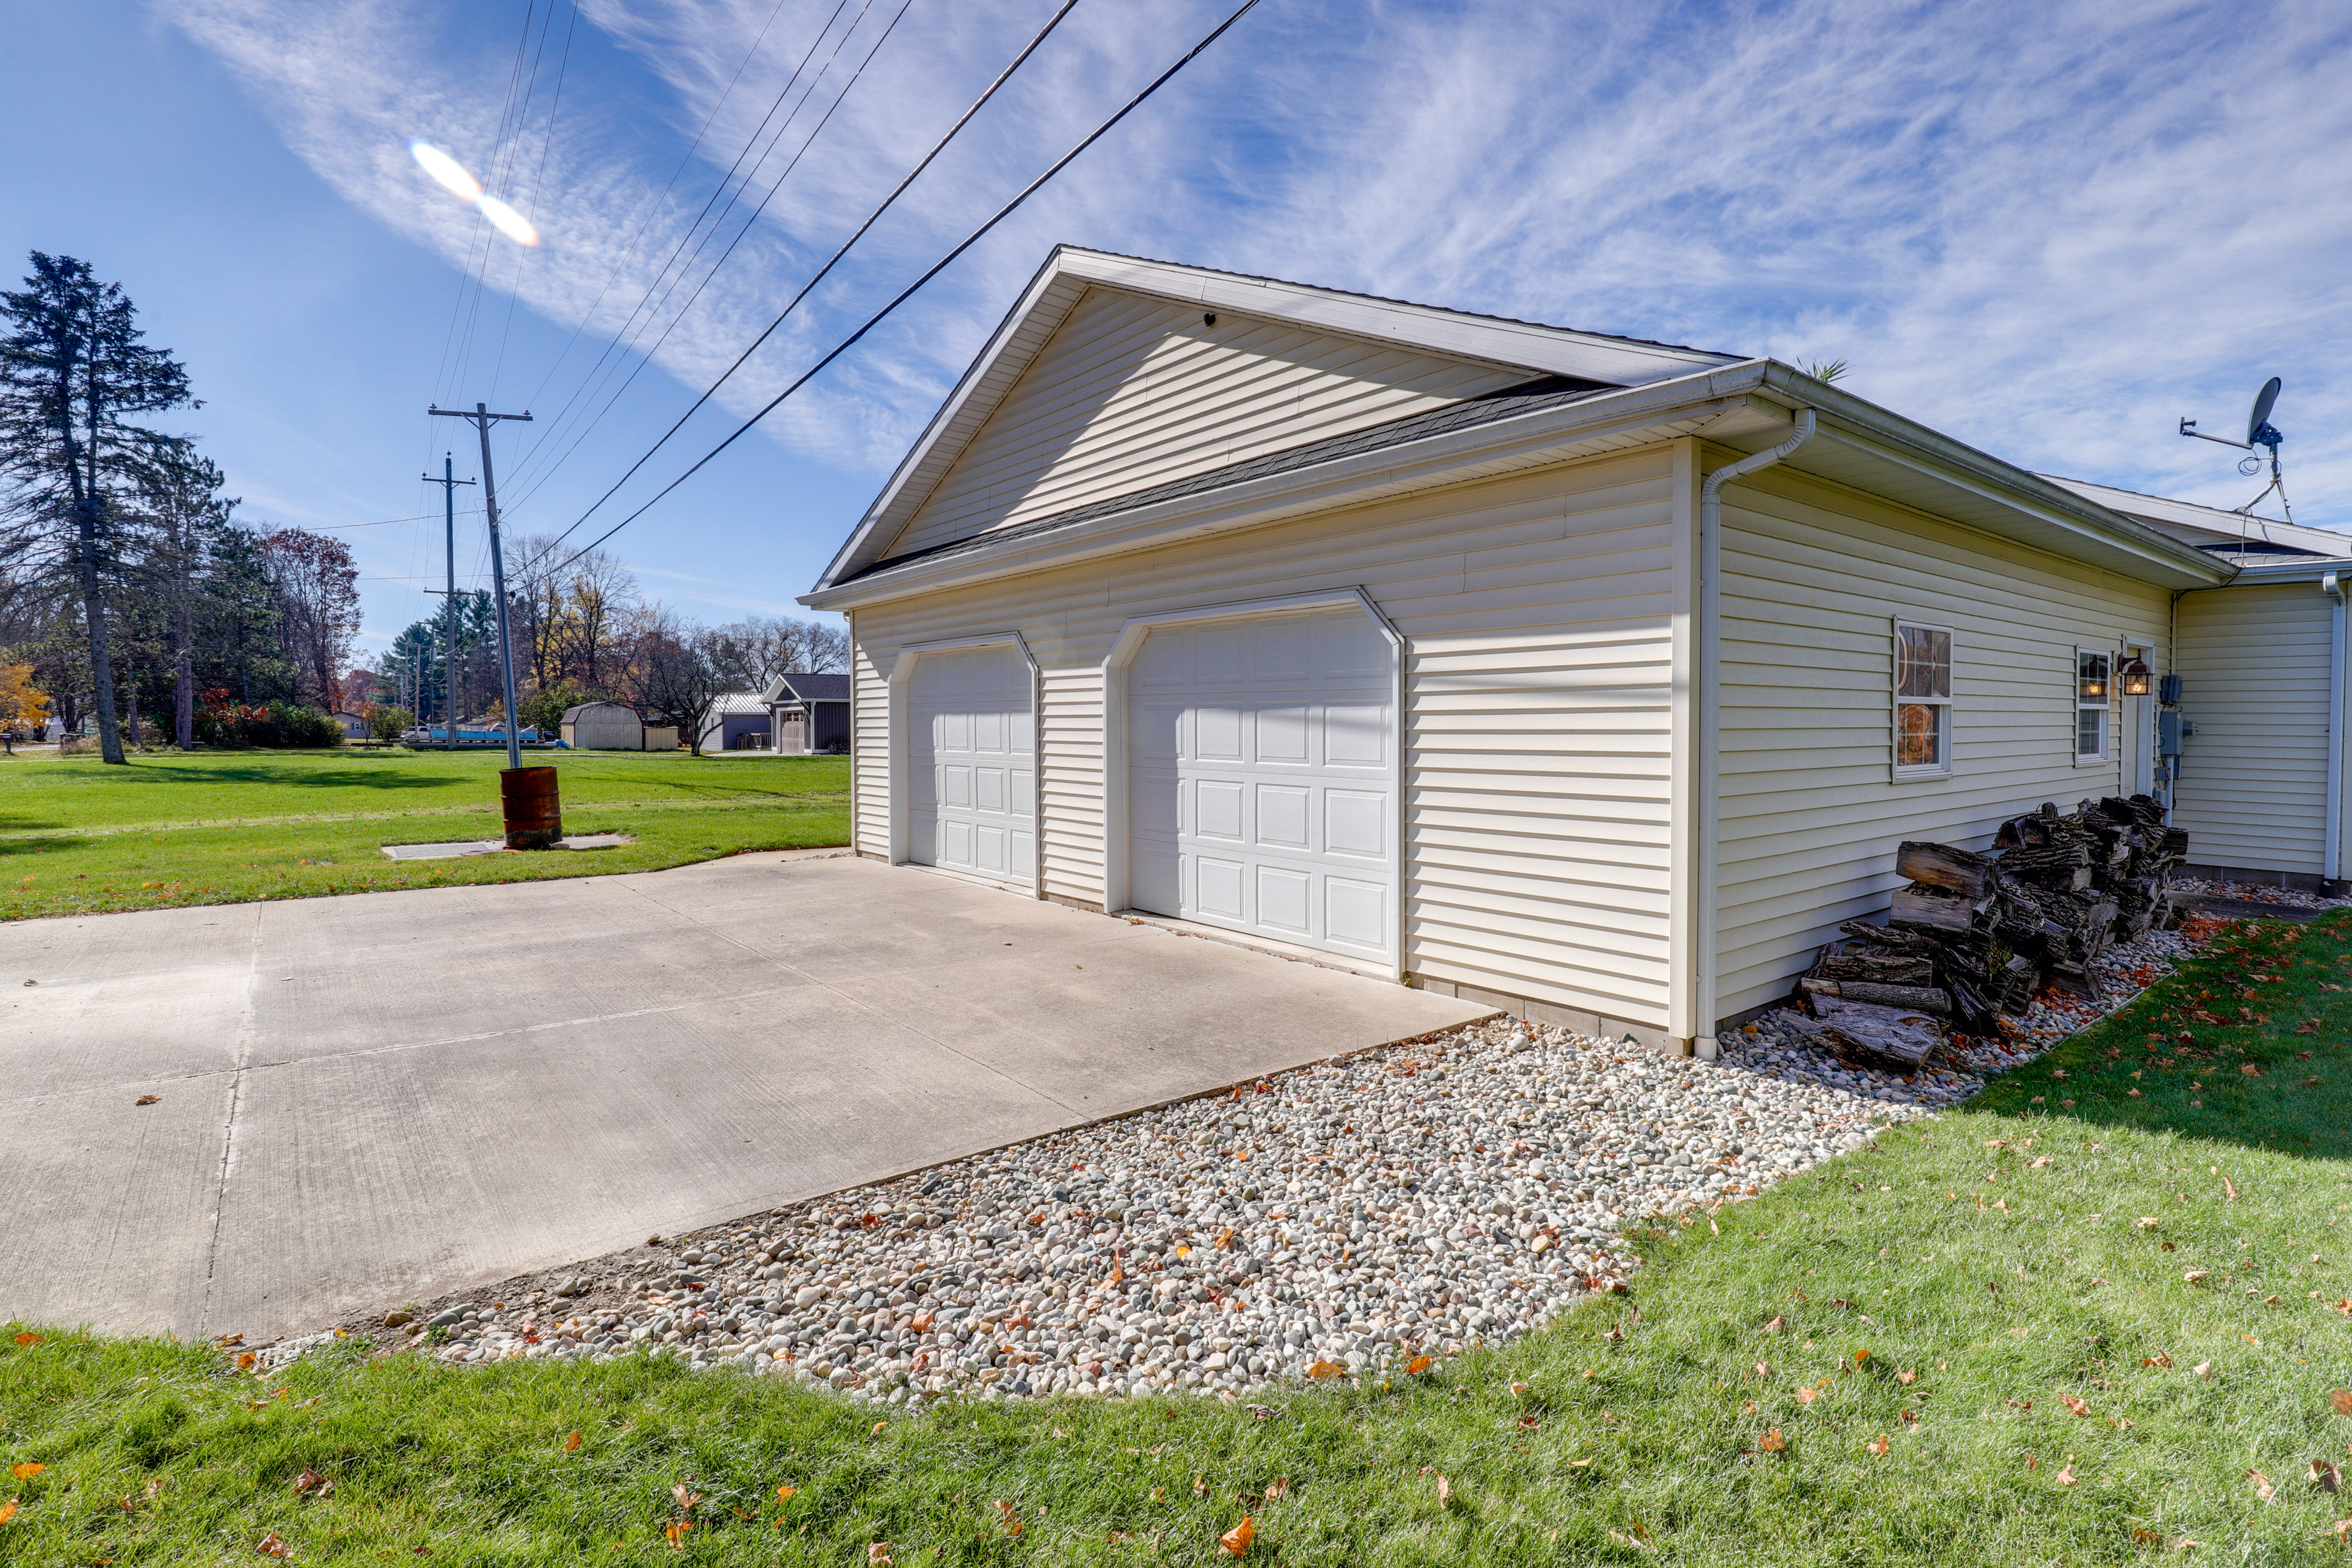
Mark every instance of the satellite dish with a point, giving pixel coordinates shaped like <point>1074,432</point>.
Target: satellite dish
<point>2263,400</point>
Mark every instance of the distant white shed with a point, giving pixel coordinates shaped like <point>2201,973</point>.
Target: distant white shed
<point>603,727</point>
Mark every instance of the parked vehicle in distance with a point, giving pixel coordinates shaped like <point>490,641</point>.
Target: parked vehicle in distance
<point>490,735</point>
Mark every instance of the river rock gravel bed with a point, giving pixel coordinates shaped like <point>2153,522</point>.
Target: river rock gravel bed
<point>1347,1218</point>
<point>1341,1219</point>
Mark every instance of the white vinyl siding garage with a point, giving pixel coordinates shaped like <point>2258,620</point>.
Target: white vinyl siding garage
<point>1260,780</point>
<point>2253,666</point>
<point>1538,616</point>
<point>1135,391</point>
<point>972,764</point>
<point>1814,579</point>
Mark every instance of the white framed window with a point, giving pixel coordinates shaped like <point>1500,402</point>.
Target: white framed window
<point>1923,701</point>
<point>2095,687</point>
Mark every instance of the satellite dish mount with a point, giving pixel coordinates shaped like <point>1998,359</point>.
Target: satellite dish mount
<point>2260,432</point>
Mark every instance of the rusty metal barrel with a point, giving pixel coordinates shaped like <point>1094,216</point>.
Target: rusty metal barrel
<point>534,813</point>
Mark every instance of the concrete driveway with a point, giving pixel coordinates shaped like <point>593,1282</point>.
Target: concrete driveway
<point>363,1100</point>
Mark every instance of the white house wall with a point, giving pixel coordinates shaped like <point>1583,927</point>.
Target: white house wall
<point>1809,817</point>
<point>1133,392</point>
<point>1537,612</point>
<point>2254,666</point>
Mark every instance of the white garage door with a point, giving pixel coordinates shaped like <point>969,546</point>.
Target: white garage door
<point>1260,781</point>
<point>974,776</point>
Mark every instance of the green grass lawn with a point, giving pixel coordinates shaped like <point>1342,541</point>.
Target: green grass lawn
<point>2027,1332</point>
<point>169,829</point>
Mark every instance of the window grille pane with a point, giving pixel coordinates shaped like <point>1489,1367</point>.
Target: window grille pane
<point>2091,677</point>
<point>1919,735</point>
<point>1923,664</point>
<point>2090,731</point>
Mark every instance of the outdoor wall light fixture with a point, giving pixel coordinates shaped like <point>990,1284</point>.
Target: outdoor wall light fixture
<point>2138,678</point>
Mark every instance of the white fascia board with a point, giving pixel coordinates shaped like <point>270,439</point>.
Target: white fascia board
<point>1069,271</point>
<point>2287,572</point>
<point>1008,351</point>
<point>2212,521</point>
<point>2095,533</point>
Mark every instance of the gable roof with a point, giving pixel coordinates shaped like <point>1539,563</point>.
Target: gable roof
<point>1596,359</point>
<point>1487,408</point>
<point>805,687</point>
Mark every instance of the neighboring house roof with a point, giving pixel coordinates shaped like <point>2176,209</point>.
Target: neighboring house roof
<point>1585,394</point>
<point>738,702</point>
<point>573,715</point>
<point>2234,535</point>
<point>809,688</point>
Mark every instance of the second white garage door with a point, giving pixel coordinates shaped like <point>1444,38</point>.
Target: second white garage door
<point>972,764</point>
<point>1261,783</point>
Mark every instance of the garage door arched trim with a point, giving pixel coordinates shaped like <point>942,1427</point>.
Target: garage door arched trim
<point>1119,825</point>
<point>901,681</point>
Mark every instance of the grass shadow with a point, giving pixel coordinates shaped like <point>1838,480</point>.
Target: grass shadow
<point>41,845</point>
<point>2250,1043</point>
<point>355,778</point>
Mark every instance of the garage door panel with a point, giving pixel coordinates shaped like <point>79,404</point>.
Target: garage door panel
<point>1219,887</point>
<point>1218,810</point>
<point>1259,757</point>
<point>1282,736</point>
<point>1284,897</point>
<point>1217,734</point>
<point>1284,651</point>
<point>974,802</point>
<point>1356,734</point>
<point>1282,818</point>
<point>1356,824</point>
<point>1356,914</point>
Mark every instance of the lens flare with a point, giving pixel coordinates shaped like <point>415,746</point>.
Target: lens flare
<point>508,221</point>
<point>448,171</point>
<point>451,176</point>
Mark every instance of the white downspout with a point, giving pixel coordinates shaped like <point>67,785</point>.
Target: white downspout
<point>2332,869</point>
<point>1705,732</point>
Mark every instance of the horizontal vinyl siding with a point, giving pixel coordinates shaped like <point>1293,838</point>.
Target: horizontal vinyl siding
<point>1538,705</point>
<point>2253,670</point>
<point>1808,819</point>
<point>869,747</point>
<point>1134,392</point>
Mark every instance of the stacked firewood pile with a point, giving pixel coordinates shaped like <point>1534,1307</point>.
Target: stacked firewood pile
<point>1976,936</point>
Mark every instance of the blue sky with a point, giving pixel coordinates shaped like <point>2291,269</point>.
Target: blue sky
<point>2049,229</point>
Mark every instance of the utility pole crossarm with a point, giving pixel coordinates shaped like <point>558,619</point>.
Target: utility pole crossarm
<point>481,419</point>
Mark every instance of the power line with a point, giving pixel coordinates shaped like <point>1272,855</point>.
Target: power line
<point>628,330</point>
<point>937,267</point>
<point>645,355</point>
<point>651,206</point>
<point>793,304</point>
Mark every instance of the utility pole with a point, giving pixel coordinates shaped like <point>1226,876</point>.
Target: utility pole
<point>448,481</point>
<point>481,419</point>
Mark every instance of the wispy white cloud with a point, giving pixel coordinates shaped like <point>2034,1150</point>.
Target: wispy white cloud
<point>2048,228</point>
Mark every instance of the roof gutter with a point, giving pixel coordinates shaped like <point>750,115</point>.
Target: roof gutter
<point>1706,739</point>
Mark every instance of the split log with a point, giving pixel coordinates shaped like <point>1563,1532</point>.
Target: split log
<point>1941,866</point>
<point>1906,1037</point>
<point>1938,914</point>
<point>1884,968</point>
<point>1919,998</point>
